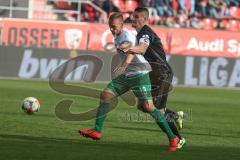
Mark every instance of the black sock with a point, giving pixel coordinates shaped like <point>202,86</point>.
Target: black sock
<point>172,114</point>
<point>174,129</point>
<point>171,122</point>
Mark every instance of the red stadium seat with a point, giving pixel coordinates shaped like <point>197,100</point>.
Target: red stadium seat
<point>188,4</point>
<point>209,23</point>
<point>155,20</point>
<point>90,10</point>
<point>130,5</point>
<point>119,4</point>
<point>235,12</point>
<point>175,4</point>
<point>223,24</point>
<point>233,25</point>
<point>62,5</point>
<point>125,16</point>
<point>151,20</point>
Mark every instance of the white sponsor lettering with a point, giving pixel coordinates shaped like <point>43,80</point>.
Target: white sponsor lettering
<point>189,79</point>
<point>235,77</point>
<point>212,46</point>
<point>203,75</point>
<point>218,77</point>
<point>234,47</point>
<point>31,66</point>
<point>47,67</point>
<point>214,74</point>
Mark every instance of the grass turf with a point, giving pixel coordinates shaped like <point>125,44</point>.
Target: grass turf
<point>211,129</point>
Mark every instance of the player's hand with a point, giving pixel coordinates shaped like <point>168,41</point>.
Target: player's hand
<point>128,51</point>
<point>123,50</point>
<point>124,47</point>
<point>119,50</point>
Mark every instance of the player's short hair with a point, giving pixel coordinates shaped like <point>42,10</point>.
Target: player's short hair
<point>142,10</point>
<point>116,15</point>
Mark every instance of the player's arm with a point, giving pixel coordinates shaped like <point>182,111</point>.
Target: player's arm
<point>126,46</point>
<point>139,49</point>
<point>129,58</point>
<point>142,46</point>
<point>122,67</point>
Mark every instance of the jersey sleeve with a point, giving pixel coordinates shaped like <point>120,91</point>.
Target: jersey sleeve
<point>145,37</point>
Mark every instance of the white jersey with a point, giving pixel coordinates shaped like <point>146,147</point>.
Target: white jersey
<point>139,63</point>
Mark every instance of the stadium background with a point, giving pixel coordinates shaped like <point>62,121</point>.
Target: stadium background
<point>203,48</point>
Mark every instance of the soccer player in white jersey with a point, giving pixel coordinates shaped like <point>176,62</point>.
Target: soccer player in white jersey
<point>132,74</point>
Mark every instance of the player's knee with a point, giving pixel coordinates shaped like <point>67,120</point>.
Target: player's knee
<point>146,106</point>
<point>106,95</point>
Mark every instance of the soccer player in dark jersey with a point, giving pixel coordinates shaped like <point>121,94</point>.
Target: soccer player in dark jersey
<point>149,45</point>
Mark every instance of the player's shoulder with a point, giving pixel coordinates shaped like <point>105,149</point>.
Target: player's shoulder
<point>145,30</point>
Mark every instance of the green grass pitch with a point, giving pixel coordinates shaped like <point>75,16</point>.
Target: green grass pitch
<point>211,128</point>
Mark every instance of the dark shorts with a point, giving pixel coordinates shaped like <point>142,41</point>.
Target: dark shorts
<point>161,80</point>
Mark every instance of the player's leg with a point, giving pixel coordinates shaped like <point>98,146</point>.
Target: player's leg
<point>160,101</point>
<point>167,85</point>
<point>148,106</point>
<point>105,98</point>
<point>108,96</point>
<point>141,87</point>
<point>171,121</point>
<point>161,86</point>
<point>178,117</point>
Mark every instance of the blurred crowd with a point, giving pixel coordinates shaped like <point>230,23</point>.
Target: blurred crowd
<point>201,14</point>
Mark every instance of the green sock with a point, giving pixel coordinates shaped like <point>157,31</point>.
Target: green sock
<point>101,116</point>
<point>162,123</point>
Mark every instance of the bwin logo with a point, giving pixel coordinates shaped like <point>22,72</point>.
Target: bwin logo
<point>34,67</point>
